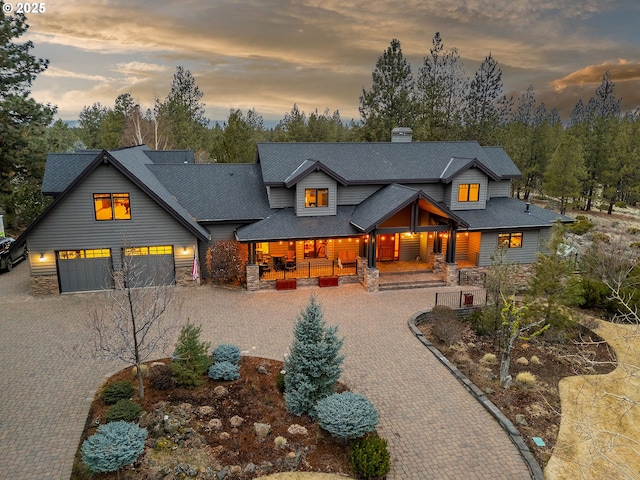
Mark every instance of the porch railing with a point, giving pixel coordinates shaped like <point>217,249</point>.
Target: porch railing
<point>472,277</point>
<point>462,299</point>
<point>323,268</point>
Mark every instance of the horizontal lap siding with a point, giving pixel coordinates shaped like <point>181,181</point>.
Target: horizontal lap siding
<point>500,189</point>
<point>72,225</point>
<point>316,180</point>
<point>526,254</point>
<point>409,248</point>
<point>355,194</point>
<point>281,197</point>
<point>473,175</point>
<point>434,190</point>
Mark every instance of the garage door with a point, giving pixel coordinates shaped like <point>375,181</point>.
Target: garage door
<point>84,270</point>
<point>151,265</point>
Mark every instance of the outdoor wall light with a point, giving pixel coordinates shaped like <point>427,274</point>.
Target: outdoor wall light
<point>184,250</point>
<point>41,257</point>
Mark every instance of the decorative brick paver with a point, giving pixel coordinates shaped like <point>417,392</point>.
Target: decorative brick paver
<point>435,428</point>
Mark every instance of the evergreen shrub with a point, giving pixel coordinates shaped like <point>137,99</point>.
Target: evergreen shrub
<point>370,458</point>
<point>314,363</point>
<point>113,446</point>
<point>346,415</point>
<point>161,377</point>
<point>280,383</point>
<point>125,410</point>
<point>190,358</point>
<point>226,353</point>
<point>117,391</point>
<point>224,371</point>
<point>581,226</point>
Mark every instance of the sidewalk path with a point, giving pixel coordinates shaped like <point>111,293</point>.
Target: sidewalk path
<point>435,429</point>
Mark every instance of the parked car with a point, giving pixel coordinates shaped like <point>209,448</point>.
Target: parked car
<point>10,253</point>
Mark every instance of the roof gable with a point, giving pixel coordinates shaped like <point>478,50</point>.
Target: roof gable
<point>458,165</point>
<point>309,166</point>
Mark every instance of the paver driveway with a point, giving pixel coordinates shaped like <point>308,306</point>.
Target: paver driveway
<point>436,430</point>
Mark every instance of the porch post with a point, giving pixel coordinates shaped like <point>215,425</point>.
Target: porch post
<point>371,262</point>
<point>451,244</point>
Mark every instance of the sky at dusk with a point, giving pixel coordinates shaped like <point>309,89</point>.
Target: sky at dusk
<point>270,54</point>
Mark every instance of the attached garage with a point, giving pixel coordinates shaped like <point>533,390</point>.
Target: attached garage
<point>153,265</point>
<point>84,270</point>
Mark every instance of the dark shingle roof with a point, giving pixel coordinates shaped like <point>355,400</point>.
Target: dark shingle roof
<point>507,213</point>
<point>136,162</point>
<point>215,192</point>
<point>285,225</point>
<point>170,156</point>
<point>379,162</point>
<point>62,168</point>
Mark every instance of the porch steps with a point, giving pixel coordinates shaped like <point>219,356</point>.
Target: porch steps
<point>408,280</point>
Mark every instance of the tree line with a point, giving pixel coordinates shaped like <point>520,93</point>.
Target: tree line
<point>589,161</point>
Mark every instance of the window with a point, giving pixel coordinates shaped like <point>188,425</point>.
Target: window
<point>76,254</point>
<point>316,197</point>
<point>510,240</point>
<point>315,249</point>
<point>469,192</point>
<point>112,206</point>
<point>143,251</point>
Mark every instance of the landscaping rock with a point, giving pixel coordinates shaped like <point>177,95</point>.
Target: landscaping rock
<point>236,421</point>
<point>489,390</point>
<point>522,361</point>
<point>204,410</point>
<point>296,429</point>
<point>249,468</point>
<point>220,391</point>
<point>520,420</point>
<point>262,370</point>
<point>224,436</point>
<point>235,470</point>
<point>261,429</point>
<point>215,424</point>
<point>280,442</point>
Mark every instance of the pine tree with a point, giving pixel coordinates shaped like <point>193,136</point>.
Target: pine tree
<point>314,364</point>
<point>23,122</point>
<point>389,102</point>
<point>565,172</point>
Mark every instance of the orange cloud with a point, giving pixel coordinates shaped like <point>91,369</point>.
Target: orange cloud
<point>623,71</point>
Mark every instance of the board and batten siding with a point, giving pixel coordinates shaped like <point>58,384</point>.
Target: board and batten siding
<point>281,197</point>
<point>525,254</point>
<point>72,225</point>
<point>499,189</point>
<point>473,175</point>
<point>355,194</point>
<point>316,180</point>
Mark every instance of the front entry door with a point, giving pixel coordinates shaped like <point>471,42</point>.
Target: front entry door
<point>386,247</point>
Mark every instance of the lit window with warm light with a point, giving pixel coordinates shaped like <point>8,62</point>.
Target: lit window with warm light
<point>112,206</point>
<point>316,197</point>
<point>468,192</point>
<point>510,240</point>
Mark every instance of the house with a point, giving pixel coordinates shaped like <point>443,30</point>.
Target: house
<point>304,210</point>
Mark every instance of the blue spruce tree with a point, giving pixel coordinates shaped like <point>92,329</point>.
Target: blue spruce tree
<point>314,364</point>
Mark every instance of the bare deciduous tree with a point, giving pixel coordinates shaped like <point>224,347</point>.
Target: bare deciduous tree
<point>133,322</point>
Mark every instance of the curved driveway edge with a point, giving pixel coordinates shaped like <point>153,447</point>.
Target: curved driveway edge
<point>435,429</point>
<point>505,423</point>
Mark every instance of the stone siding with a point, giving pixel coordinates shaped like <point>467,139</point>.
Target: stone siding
<point>371,279</point>
<point>44,285</point>
<point>253,277</point>
<point>184,278</point>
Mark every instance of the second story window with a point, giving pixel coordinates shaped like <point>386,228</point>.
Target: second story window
<point>112,206</point>
<point>469,192</point>
<point>316,197</point>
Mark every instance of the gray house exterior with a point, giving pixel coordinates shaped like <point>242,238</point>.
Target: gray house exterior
<point>302,210</point>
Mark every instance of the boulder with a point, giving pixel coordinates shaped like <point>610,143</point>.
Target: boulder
<point>236,421</point>
<point>296,429</point>
<point>261,429</point>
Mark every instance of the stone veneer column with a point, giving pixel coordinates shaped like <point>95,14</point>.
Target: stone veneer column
<point>438,264</point>
<point>253,277</point>
<point>44,285</point>
<point>450,275</point>
<point>371,279</point>
<point>361,263</point>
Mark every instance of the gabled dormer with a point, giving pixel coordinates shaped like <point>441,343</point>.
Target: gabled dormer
<point>467,183</point>
<point>316,189</point>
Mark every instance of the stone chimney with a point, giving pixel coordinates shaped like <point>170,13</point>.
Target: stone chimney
<point>401,135</point>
